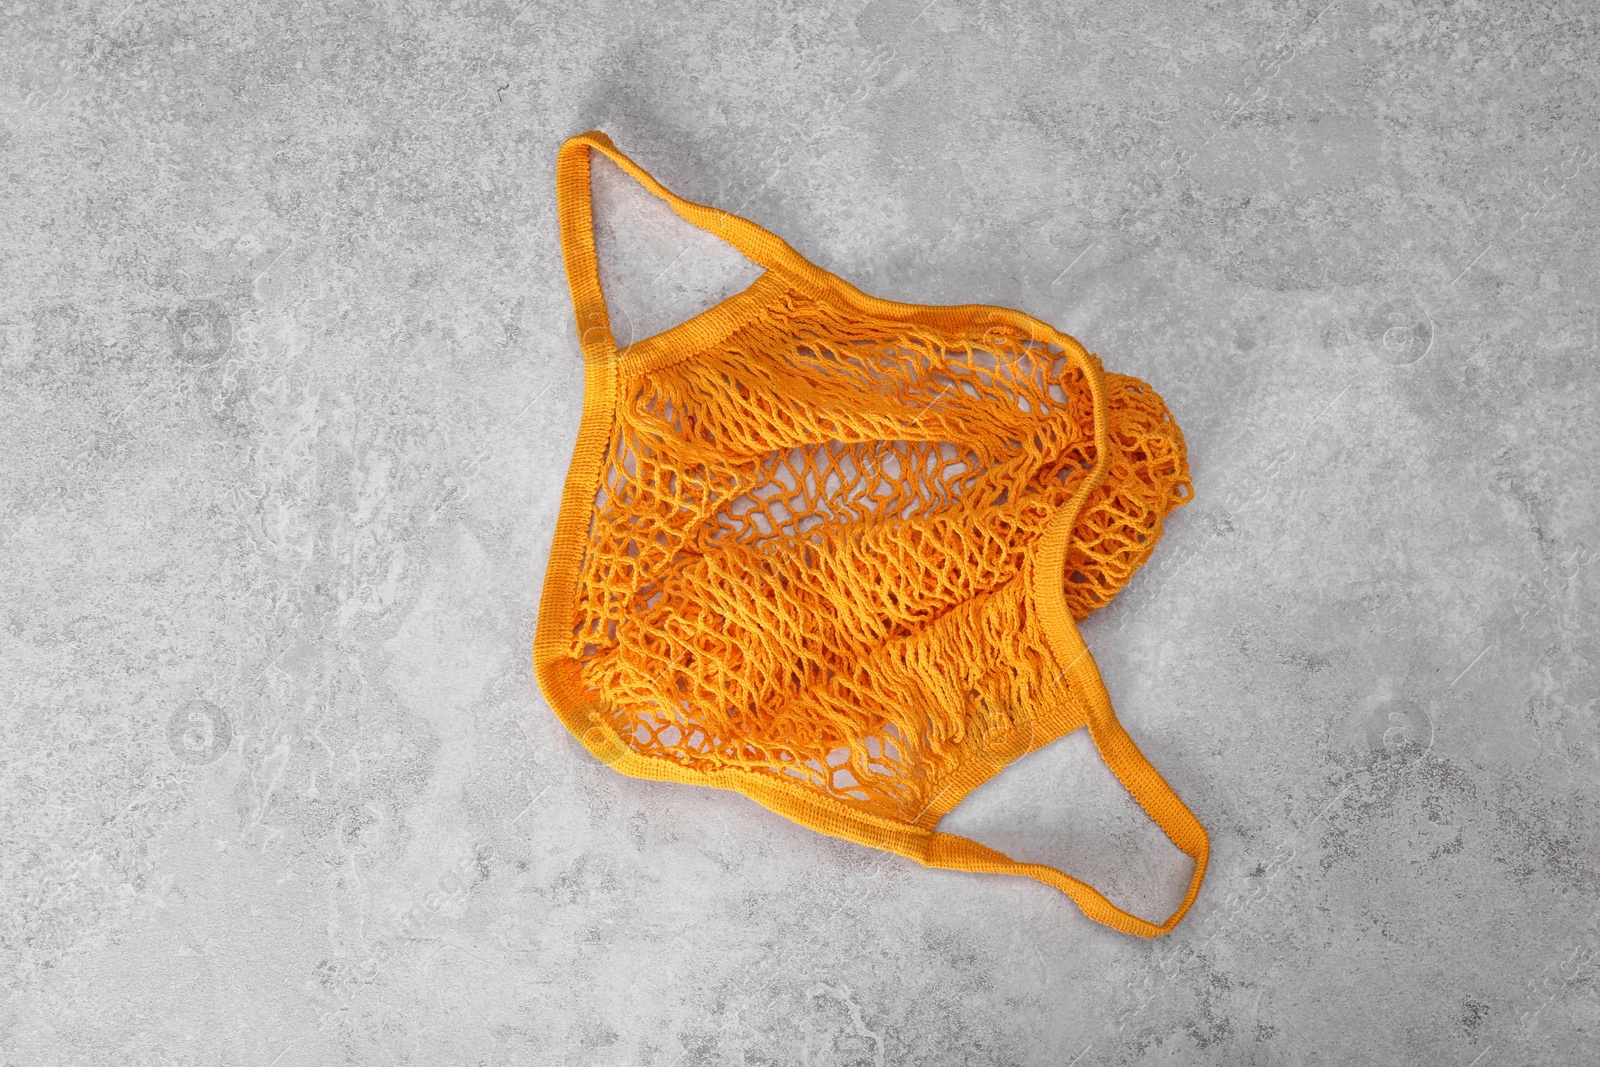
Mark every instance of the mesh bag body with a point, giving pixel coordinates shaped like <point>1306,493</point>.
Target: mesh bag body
<point>828,550</point>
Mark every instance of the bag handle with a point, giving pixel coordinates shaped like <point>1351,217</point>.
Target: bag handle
<point>1141,780</point>
<point>575,210</point>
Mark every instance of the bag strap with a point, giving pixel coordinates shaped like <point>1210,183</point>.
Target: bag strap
<point>1141,780</point>
<point>574,208</point>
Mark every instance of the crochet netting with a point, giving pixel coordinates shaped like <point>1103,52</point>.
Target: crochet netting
<point>802,530</point>
<point>805,537</point>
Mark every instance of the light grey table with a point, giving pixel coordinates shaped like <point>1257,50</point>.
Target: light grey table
<point>288,387</point>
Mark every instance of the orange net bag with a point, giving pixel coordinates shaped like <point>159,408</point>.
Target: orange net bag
<point>828,550</point>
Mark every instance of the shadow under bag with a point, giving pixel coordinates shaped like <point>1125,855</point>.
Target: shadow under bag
<point>828,550</point>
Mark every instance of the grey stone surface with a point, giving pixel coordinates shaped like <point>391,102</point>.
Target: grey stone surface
<point>288,384</point>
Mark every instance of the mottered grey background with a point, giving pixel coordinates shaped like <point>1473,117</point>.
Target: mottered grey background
<point>289,383</point>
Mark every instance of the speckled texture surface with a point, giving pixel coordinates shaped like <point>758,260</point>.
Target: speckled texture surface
<point>288,385</point>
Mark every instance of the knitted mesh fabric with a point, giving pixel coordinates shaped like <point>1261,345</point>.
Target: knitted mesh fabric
<point>828,550</point>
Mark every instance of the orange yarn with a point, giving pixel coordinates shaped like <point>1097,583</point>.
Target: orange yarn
<point>827,550</point>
